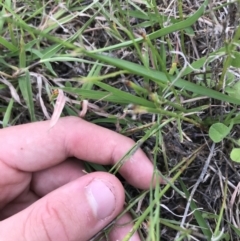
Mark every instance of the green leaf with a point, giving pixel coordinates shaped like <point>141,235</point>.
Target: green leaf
<point>162,32</point>
<point>26,90</point>
<point>47,64</point>
<point>51,51</point>
<point>202,223</point>
<point>235,154</point>
<point>8,113</point>
<point>112,94</point>
<point>236,230</point>
<point>234,91</point>
<point>8,3</point>
<point>22,55</point>
<point>2,86</point>
<point>8,45</point>
<point>161,79</point>
<point>218,132</point>
<point>153,18</point>
<point>236,59</point>
<point>129,98</point>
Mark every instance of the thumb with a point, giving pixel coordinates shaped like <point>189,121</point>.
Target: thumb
<point>75,211</point>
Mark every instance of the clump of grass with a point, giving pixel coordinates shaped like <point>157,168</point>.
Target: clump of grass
<point>161,72</point>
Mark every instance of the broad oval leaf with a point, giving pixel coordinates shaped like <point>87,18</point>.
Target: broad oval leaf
<point>235,154</point>
<point>218,132</point>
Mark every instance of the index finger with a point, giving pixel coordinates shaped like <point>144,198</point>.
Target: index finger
<point>33,147</point>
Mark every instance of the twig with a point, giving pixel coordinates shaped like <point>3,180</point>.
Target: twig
<point>200,179</point>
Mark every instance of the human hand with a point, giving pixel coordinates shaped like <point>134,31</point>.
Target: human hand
<point>45,194</point>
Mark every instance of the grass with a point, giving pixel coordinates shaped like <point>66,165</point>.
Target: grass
<point>161,72</point>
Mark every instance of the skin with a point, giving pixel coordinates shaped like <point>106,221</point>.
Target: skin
<point>43,185</point>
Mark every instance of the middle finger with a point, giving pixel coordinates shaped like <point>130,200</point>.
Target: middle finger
<point>45,181</point>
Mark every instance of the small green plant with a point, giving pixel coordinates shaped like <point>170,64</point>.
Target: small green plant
<point>219,131</point>
<point>235,154</point>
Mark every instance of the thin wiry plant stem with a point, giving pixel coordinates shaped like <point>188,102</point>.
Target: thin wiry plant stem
<point>204,170</point>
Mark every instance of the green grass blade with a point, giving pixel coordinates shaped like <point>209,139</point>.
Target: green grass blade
<point>94,95</point>
<point>129,98</point>
<point>8,45</point>
<point>162,32</point>
<point>112,94</point>
<point>160,78</point>
<point>197,214</point>
<point>95,71</point>
<point>51,51</point>
<point>7,114</point>
<point>26,90</point>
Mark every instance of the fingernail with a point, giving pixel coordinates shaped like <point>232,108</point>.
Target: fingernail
<point>100,198</point>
